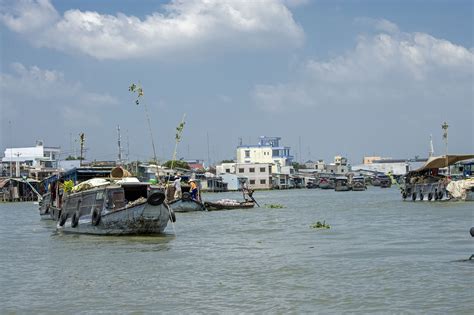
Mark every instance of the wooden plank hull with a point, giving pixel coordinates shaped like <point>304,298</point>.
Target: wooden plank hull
<point>139,219</point>
<point>181,205</point>
<point>214,206</point>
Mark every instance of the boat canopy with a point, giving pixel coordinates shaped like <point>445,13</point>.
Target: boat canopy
<point>442,161</point>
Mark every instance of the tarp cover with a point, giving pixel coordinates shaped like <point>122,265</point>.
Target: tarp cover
<point>440,161</point>
<point>458,189</point>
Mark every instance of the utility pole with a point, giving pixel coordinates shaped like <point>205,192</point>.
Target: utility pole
<point>11,148</point>
<point>445,126</point>
<point>119,146</point>
<point>17,165</point>
<point>431,153</point>
<point>70,144</point>
<point>208,155</point>
<point>299,148</point>
<point>128,147</point>
<point>82,140</point>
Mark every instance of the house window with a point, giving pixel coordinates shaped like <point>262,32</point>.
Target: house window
<point>252,182</point>
<point>263,181</point>
<point>262,169</point>
<point>227,170</point>
<point>247,153</point>
<point>241,170</point>
<point>252,170</point>
<point>282,181</point>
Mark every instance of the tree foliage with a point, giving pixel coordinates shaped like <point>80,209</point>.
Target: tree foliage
<point>176,164</point>
<point>227,161</point>
<point>298,166</point>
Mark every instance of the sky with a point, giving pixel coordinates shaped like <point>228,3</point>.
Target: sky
<point>353,78</point>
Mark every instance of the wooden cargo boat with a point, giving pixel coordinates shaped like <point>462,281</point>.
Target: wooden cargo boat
<point>116,209</point>
<point>341,183</point>
<point>426,182</point>
<point>358,183</point>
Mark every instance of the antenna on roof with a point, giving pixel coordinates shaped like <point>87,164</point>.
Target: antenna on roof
<point>119,145</point>
<point>431,153</point>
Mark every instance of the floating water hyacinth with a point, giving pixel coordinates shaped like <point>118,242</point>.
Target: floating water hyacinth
<point>274,206</point>
<point>319,225</point>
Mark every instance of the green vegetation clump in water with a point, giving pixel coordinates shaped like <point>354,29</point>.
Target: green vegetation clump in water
<point>319,225</point>
<point>274,206</point>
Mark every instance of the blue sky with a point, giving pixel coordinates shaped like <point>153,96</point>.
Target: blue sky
<point>340,77</point>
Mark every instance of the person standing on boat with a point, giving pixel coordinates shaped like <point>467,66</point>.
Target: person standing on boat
<point>193,189</point>
<point>177,187</point>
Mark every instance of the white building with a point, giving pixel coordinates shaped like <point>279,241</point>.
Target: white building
<point>259,174</point>
<point>225,168</point>
<point>395,167</point>
<point>233,181</point>
<point>23,159</point>
<point>268,150</point>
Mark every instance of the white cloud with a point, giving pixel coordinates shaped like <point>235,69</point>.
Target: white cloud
<point>184,27</point>
<point>380,69</point>
<point>385,95</point>
<point>37,95</point>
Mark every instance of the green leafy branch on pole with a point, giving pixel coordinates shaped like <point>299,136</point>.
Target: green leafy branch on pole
<point>135,88</point>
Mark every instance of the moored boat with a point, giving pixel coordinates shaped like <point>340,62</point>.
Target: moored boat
<point>326,182</point>
<point>382,180</point>
<point>358,183</point>
<point>341,183</point>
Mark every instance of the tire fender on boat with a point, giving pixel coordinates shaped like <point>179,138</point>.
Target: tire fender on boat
<point>75,219</point>
<point>472,231</point>
<point>172,216</point>
<point>62,218</point>
<point>95,216</point>
<point>156,198</point>
<point>186,196</point>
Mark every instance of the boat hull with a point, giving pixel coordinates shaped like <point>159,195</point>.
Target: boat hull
<point>213,206</point>
<point>181,205</point>
<point>52,213</point>
<point>139,219</point>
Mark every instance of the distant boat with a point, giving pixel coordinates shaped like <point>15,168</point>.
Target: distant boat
<point>341,183</point>
<point>358,183</point>
<point>227,204</point>
<point>382,180</point>
<point>326,182</point>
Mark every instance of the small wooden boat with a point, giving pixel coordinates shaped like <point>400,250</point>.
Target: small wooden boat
<point>226,204</point>
<point>186,204</point>
<point>358,183</point>
<point>341,184</point>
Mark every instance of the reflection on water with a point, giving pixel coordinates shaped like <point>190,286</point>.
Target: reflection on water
<point>380,255</point>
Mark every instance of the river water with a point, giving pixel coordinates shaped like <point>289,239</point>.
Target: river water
<point>380,255</point>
